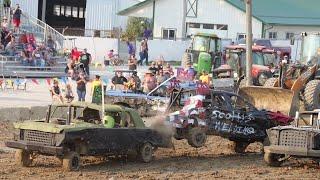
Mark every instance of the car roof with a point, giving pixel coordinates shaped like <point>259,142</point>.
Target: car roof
<point>107,107</point>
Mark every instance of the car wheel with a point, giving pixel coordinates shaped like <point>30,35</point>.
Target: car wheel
<point>146,152</point>
<point>197,137</point>
<point>178,135</point>
<point>240,147</point>
<point>273,159</point>
<point>23,158</point>
<point>71,161</point>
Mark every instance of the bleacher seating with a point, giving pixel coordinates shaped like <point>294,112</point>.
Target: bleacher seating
<point>12,66</point>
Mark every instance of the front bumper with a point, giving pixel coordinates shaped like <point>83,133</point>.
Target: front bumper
<point>52,150</point>
<point>293,151</point>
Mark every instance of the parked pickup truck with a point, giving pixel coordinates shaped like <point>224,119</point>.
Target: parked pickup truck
<point>282,50</point>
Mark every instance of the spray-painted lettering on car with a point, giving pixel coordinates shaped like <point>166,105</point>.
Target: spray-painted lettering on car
<point>228,128</point>
<point>231,116</point>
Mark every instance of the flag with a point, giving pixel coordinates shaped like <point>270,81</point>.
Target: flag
<point>48,80</point>
<point>35,81</point>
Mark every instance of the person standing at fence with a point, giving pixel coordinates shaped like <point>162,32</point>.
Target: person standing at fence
<point>144,51</point>
<point>86,59</point>
<point>7,7</point>
<point>131,50</point>
<point>17,18</point>
<point>96,90</point>
<point>81,87</point>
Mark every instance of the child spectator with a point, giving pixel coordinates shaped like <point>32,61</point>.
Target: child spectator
<point>168,72</point>
<point>69,94</point>
<point>56,91</point>
<point>23,38</point>
<point>5,24</point>
<point>132,62</point>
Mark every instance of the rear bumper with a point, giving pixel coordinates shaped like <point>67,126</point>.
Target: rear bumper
<point>293,151</point>
<point>34,147</point>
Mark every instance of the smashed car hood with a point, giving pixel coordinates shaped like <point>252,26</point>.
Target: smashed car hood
<point>54,128</point>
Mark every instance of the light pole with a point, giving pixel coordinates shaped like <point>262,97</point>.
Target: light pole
<point>249,42</point>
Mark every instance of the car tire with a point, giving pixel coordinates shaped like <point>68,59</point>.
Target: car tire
<point>240,147</point>
<point>197,137</point>
<point>23,158</point>
<point>71,161</point>
<point>145,152</point>
<point>272,159</point>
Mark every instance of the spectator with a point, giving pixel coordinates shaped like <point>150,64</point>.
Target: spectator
<point>7,7</point>
<point>130,85</point>
<point>96,90</point>
<point>168,72</point>
<point>190,72</point>
<point>16,18</point>
<point>204,78</point>
<point>25,58</point>
<point>132,62</point>
<point>51,44</point>
<point>11,47</point>
<point>153,68</point>
<point>23,38</point>
<point>69,94</point>
<point>5,24</point>
<point>56,91</point>
<point>149,82</point>
<point>118,79</point>
<point>144,51</point>
<point>38,59</point>
<point>81,87</point>
<point>131,49</point>
<point>75,54</point>
<point>160,62</point>
<point>31,39</point>
<point>160,79</point>
<point>147,33</point>
<point>86,59</point>
<point>136,80</point>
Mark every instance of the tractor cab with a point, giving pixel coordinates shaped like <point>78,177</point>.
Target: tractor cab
<point>263,59</point>
<point>204,52</point>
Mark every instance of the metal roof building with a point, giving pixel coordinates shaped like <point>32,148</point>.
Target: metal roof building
<point>83,16</point>
<point>274,19</point>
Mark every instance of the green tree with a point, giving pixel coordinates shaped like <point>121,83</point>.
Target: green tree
<point>135,27</point>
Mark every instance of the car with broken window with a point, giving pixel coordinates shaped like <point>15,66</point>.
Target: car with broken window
<point>225,114</point>
<point>84,129</point>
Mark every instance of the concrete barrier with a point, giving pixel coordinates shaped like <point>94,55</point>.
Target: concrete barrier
<point>22,113</point>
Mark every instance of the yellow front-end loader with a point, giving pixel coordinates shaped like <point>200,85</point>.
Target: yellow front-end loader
<point>298,82</point>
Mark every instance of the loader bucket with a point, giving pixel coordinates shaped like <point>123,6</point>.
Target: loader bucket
<point>271,99</point>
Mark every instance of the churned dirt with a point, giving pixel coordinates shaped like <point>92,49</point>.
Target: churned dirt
<point>215,160</point>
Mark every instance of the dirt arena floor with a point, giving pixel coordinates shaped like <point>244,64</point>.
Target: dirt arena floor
<point>214,161</point>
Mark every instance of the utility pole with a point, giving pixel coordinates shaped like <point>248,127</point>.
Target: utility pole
<point>249,42</point>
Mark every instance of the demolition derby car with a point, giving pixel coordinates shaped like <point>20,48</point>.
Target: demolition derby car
<point>73,130</point>
<point>295,140</point>
<point>224,114</point>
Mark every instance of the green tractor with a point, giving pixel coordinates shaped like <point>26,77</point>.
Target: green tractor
<point>204,52</point>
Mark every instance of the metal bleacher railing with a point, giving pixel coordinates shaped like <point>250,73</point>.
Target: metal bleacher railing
<point>11,66</point>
